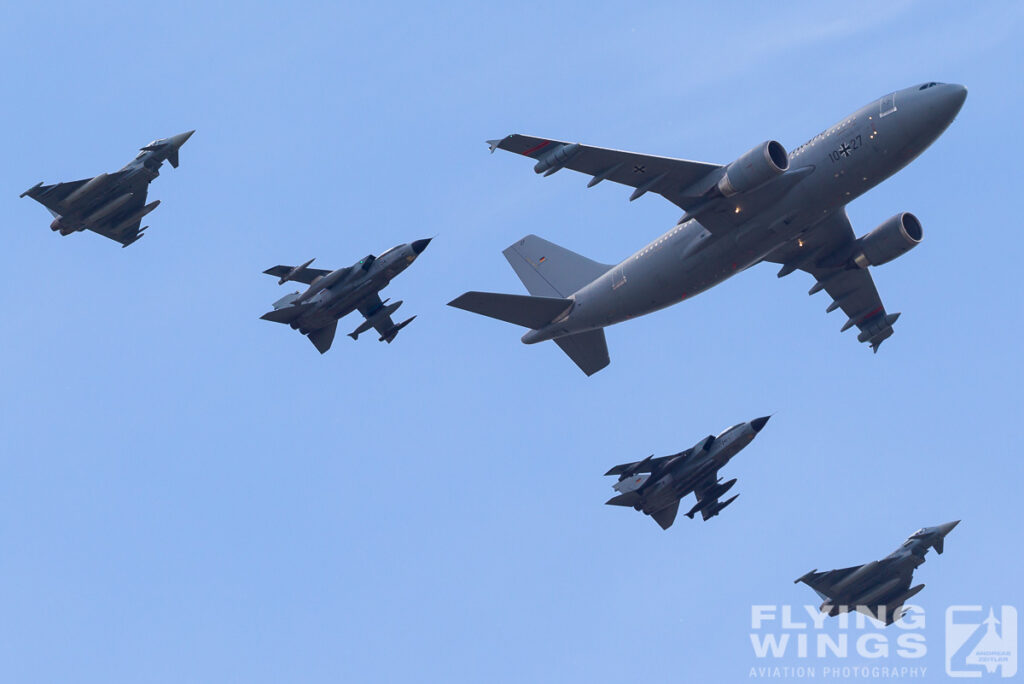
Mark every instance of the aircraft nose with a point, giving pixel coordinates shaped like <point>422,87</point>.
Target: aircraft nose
<point>180,139</point>
<point>419,245</point>
<point>948,527</point>
<point>758,423</point>
<point>951,98</point>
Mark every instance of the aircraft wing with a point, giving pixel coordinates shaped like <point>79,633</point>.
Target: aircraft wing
<point>306,275</point>
<point>51,196</point>
<point>649,465</point>
<point>852,289</point>
<point>112,227</point>
<point>823,583</point>
<point>370,309</point>
<point>665,176</point>
<point>703,492</point>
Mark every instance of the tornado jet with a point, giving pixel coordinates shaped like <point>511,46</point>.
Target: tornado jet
<point>879,588</point>
<point>331,295</point>
<point>656,485</point>
<point>769,205</point>
<point>111,204</point>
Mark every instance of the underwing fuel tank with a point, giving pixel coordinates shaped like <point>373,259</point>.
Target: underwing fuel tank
<point>864,571</point>
<point>869,597</point>
<point>85,190</point>
<point>376,316</point>
<point>108,208</point>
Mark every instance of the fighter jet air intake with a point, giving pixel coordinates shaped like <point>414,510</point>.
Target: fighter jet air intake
<point>787,209</point>
<point>655,485</point>
<point>111,204</point>
<point>879,588</point>
<point>332,295</point>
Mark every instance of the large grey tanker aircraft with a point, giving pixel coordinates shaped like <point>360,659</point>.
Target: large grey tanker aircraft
<point>768,205</point>
<point>879,588</point>
<point>655,485</point>
<point>332,295</point>
<point>111,204</point>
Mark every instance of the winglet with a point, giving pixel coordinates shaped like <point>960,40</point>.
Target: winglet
<point>493,144</point>
<point>805,576</point>
<point>40,183</point>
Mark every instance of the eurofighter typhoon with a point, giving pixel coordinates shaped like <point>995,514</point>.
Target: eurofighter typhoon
<point>879,588</point>
<point>656,485</point>
<point>332,295</point>
<point>787,209</point>
<point>111,204</point>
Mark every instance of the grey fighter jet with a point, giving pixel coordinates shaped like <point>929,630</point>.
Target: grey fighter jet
<point>655,485</point>
<point>111,204</point>
<point>768,205</point>
<point>879,588</point>
<point>334,294</point>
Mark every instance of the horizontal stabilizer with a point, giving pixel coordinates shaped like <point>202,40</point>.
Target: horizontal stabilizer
<point>283,315</point>
<point>627,499</point>
<point>588,350</point>
<point>529,312</point>
<point>666,516</point>
<point>323,338</point>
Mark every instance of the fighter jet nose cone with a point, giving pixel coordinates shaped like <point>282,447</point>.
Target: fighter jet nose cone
<point>180,139</point>
<point>419,245</point>
<point>948,527</point>
<point>759,423</point>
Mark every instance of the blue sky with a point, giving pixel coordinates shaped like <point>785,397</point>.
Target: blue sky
<point>192,494</point>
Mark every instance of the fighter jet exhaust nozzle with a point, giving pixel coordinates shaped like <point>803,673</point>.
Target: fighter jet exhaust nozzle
<point>893,238</point>
<point>754,169</point>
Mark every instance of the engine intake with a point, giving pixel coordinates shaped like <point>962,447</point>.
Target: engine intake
<point>893,238</point>
<point>754,169</point>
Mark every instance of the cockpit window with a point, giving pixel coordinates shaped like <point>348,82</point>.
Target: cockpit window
<point>887,105</point>
<point>389,251</point>
<point>727,430</point>
<point>928,85</point>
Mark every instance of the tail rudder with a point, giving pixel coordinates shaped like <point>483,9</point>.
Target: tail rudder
<point>549,270</point>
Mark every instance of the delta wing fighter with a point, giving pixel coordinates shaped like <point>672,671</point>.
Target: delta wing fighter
<point>879,588</point>
<point>767,206</point>
<point>111,204</point>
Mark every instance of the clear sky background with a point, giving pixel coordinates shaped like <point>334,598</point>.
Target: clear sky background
<point>189,493</point>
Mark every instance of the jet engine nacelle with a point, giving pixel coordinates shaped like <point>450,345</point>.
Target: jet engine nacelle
<point>754,169</point>
<point>892,239</point>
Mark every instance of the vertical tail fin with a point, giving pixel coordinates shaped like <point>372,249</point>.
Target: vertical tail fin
<point>323,338</point>
<point>548,270</point>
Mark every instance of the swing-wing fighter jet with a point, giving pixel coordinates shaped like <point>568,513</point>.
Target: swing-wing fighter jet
<point>332,295</point>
